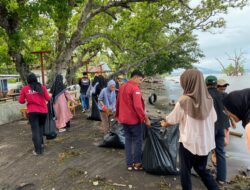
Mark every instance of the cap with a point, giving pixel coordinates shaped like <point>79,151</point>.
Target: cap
<point>120,77</point>
<point>211,80</point>
<point>222,82</point>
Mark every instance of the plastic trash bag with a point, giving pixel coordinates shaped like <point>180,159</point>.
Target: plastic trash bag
<point>160,149</point>
<point>95,112</point>
<point>50,125</point>
<point>115,137</point>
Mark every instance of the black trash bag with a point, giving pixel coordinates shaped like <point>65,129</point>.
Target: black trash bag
<point>160,149</point>
<point>115,137</point>
<point>95,112</point>
<point>50,124</point>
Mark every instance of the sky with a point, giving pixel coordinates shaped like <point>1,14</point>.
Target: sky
<point>234,37</point>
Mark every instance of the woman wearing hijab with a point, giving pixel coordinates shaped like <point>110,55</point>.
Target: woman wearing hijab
<point>61,97</point>
<point>35,95</point>
<point>237,104</point>
<point>107,104</point>
<point>196,116</point>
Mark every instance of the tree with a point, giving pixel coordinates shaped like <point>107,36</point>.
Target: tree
<point>236,67</point>
<point>149,34</point>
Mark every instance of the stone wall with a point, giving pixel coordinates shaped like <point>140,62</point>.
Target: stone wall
<point>10,111</point>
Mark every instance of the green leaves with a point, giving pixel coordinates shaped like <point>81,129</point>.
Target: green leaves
<point>123,34</point>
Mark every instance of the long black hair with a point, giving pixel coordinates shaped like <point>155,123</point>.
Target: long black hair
<point>34,84</point>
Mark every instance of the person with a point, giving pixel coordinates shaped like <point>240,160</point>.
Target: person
<point>84,84</point>
<point>130,112</point>
<point>98,84</point>
<point>211,82</point>
<point>36,96</point>
<point>107,104</point>
<point>237,105</point>
<point>222,86</point>
<point>61,96</point>
<point>196,116</point>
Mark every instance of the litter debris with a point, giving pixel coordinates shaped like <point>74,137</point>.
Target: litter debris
<point>119,185</point>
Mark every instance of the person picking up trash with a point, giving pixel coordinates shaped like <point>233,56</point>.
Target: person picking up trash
<point>237,104</point>
<point>130,112</point>
<point>196,116</point>
<point>107,105</point>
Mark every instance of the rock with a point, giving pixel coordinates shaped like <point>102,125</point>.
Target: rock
<point>130,186</point>
<point>85,173</point>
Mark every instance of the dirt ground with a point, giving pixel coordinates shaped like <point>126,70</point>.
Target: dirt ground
<point>73,161</point>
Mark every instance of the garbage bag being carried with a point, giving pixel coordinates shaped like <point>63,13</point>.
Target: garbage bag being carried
<point>50,125</point>
<point>115,137</point>
<point>95,112</point>
<point>160,149</point>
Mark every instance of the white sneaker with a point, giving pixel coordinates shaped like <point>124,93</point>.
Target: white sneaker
<point>62,130</point>
<point>34,153</point>
<point>83,111</point>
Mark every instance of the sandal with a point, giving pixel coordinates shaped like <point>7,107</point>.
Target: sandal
<point>138,167</point>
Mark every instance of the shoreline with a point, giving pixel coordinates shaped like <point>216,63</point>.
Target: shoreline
<point>73,160</point>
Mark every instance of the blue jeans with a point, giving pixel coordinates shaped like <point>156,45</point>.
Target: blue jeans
<point>85,101</point>
<point>220,154</point>
<point>133,143</point>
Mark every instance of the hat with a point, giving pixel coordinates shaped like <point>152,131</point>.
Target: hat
<point>222,82</point>
<point>211,80</point>
<point>120,77</point>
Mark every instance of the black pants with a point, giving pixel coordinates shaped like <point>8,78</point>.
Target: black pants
<point>199,163</point>
<point>37,122</point>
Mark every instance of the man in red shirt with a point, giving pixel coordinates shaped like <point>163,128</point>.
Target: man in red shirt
<point>130,111</point>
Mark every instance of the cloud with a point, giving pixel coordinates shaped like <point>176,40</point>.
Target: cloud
<point>234,37</point>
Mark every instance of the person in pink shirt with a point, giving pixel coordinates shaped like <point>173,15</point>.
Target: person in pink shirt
<point>35,95</point>
<point>196,116</point>
<point>61,96</point>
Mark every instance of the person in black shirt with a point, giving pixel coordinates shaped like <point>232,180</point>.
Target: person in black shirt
<point>211,82</point>
<point>84,83</point>
<point>222,86</point>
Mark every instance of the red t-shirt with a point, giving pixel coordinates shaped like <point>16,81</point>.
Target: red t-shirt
<point>130,108</point>
<point>35,102</point>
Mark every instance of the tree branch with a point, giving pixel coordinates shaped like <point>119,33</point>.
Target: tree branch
<point>223,67</point>
<point>105,36</point>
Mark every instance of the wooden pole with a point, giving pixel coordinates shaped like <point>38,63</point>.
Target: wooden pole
<point>41,53</point>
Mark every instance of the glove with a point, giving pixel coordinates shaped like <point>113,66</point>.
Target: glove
<point>104,108</point>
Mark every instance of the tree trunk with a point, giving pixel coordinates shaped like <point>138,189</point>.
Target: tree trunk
<point>70,76</point>
<point>21,66</point>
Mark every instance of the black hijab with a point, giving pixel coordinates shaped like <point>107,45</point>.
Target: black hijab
<point>58,87</point>
<point>102,83</point>
<point>34,84</point>
<point>238,103</point>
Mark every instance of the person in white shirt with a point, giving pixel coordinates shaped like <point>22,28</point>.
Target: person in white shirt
<point>196,116</point>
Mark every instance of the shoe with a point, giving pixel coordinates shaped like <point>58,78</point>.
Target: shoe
<point>34,153</point>
<point>130,168</point>
<point>83,111</point>
<point>62,130</point>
